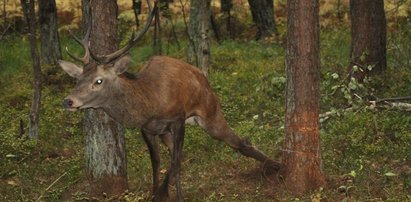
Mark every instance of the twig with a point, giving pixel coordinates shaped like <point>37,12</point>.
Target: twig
<point>55,181</point>
<point>4,32</point>
<point>326,115</point>
<point>393,99</point>
<point>346,78</point>
<point>358,64</point>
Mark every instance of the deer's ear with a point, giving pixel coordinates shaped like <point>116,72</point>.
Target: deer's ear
<point>71,69</point>
<point>121,65</point>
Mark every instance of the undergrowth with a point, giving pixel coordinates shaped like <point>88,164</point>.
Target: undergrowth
<point>365,152</point>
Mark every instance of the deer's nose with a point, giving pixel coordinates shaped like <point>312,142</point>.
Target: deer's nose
<point>67,103</point>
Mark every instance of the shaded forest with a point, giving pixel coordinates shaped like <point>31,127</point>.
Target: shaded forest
<point>322,88</point>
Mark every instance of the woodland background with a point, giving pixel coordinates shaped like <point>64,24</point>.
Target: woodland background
<point>366,147</point>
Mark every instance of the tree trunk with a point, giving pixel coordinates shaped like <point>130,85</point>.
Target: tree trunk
<point>157,44</point>
<point>198,52</point>
<point>105,146</point>
<point>263,16</point>
<point>368,36</point>
<point>226,6</point>
<point>4,12</point>
<point>137,10</point>
<point>50,44</point>
<point>301,151</point>
<point>30,15</point>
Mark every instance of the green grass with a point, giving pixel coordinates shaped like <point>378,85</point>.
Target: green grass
<point>366,153</point>
<point>14,55</point>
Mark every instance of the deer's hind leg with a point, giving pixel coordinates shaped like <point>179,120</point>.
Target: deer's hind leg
<point>177,130</point>
<point>217,127</point>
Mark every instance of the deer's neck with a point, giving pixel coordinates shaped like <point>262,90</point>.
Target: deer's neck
<point>131,104</point>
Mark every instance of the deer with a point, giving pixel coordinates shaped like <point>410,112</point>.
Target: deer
<point>159,100</point>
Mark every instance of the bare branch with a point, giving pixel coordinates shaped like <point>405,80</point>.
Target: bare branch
<point>85,41</point>
<point>133,41</point>
<point>4,32</point>
<point>393,99</point>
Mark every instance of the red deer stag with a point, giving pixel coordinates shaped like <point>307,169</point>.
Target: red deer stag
<point>159,99</point>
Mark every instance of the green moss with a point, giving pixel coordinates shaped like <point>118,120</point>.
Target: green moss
<point>249,77</point>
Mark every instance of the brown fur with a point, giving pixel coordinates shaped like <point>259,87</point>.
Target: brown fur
<point>159,99</point>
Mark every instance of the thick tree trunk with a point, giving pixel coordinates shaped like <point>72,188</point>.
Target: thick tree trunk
<point>105,146</point>
<point>105,154</point>
<point>50,44</point>
<point>263,16</point>
<point>30,15</point>
<point>368,36</point>
<point>301,155</point>
<point>198,52</point>
<point>226,6</point>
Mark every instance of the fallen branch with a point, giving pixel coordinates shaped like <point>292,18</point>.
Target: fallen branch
<point>326,115</point>
<point>51,185</point>
<point>402,106</point>
<point>373,105</point>
<point>394,99</point>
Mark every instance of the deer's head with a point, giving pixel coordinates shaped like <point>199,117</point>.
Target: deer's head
<point>96,86</point>
<point>98,81</point>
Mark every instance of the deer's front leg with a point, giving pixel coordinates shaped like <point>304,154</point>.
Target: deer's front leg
<point>155,158</point>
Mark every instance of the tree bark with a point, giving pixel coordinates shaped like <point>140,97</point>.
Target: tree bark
<point>263,16</point>
<point>137,10</point>
<point>368,36</point>
<point>226,6</point>
<point>157,43</point>
<point>198,52</point>
<point>49,37</point>
<point>4,12</point>
<point>105,147</point>
<point>30,15</point>
<point>301,150</point>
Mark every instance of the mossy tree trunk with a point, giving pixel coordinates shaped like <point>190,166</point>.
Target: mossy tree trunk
<point>198,52</point>
<point>368,36</point>
<point>49,37</point>
<point>30,15</point>
<point>263,16</point>
<point>301,150</point>
<point>105,147</point>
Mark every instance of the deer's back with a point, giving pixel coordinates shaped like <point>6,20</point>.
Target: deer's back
<point>179,88</point>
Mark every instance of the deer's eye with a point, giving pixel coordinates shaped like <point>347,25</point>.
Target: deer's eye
<point>99,81</point>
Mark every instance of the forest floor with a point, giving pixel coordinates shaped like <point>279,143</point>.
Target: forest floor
<point>366,152</point>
